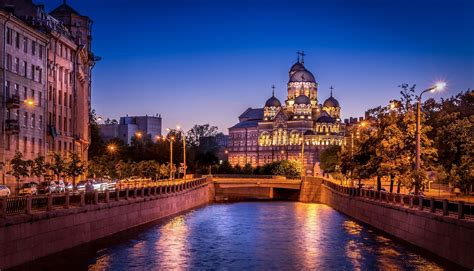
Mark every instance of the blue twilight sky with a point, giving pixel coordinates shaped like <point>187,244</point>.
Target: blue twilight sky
<point>207,61</point>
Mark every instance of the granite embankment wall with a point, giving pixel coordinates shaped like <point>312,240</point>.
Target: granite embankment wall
<point>445,236</point>
<point>27,237</point>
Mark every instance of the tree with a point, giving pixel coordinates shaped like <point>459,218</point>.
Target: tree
<point>97,146</point>
<point>38,167</point>
<point>288,168</point>
<point>452,120</point>
<point>194,135</point>
<point>74,167</point>
<point>20,167</point>
<point>57,165</point>
<point>330,158</point>
<point>247,169</point>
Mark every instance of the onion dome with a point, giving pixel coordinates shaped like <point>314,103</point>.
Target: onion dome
<point>331,101</point>
<point>273,101</point>
<point>309,133</point>
<point>302,76</point>
<point>302,99</point>
<point>298,66</point>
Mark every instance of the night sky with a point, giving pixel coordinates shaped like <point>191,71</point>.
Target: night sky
<point>198,62</point>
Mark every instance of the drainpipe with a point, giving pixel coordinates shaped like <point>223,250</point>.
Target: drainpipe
<point>4,103</point>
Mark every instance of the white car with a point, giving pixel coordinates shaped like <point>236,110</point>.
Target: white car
<point>4,191</point>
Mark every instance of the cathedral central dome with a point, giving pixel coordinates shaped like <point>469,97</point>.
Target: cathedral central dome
<point>302,76</point>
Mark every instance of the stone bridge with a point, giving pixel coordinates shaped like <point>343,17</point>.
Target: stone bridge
<point>242,188</point>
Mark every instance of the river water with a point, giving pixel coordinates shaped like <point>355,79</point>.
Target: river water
<point>247,236</point>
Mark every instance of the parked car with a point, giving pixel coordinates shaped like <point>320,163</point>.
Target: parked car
<point>421,194</point>
<point>60,187</point>
<point>47,187</point>
<point>30,188</point>
<point>4,191</point>
<point>81,186</point>
<point>68,187</point>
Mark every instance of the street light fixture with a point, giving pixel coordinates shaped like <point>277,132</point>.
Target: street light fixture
<point>183,137</point>
<point>436,87</point>
<point>111,148</point>
<point>171,139</point>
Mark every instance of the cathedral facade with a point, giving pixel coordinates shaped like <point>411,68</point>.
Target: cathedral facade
<point>299,129</point>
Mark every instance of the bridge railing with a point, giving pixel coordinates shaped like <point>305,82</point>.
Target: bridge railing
<point>459,209</point>
<point>245,176</point>
<point>10,206</point>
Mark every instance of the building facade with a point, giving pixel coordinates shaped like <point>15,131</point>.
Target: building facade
<point>296,130</point>
<point>47,89</point>
<point>129,127</point>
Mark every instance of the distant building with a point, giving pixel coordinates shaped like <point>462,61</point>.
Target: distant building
<point>129,127</point>
<point>279,131</point>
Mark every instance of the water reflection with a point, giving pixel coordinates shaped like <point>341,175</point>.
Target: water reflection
<point>253,236</point>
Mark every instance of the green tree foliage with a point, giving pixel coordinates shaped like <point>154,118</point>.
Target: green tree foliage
<point>330,158</point>
<point>57,165</point>
<point>38,167</point>
<point>385,145</point>
<point>74,167</point>
<point>19,167</point>
<point>452,120</point>
<point>194,135</point>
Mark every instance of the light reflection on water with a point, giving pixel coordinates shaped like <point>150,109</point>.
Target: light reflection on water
<point>253,236</point>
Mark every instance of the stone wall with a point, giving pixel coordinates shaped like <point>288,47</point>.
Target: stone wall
<point>448,237</point>
<point>27,237</point>
<point>310,190</point>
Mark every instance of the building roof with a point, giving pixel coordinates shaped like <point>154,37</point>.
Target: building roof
<point>252,114</point>
<point>325,119</point>
<point>302,76</point>
<point>298,66</point>
<point>246,124</point>
<point>273,101</point>
<point>302,99</point>
<point>331,102</point>
<point>65,9</point>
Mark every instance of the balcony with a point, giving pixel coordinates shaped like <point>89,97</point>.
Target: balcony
<point>12,126</point>
<point>13,101</point>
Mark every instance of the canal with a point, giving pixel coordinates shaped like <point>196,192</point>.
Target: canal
<point>246,236</point>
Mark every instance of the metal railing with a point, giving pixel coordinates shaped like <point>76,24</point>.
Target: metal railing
<point>10,206</point>
<point>443,207</point>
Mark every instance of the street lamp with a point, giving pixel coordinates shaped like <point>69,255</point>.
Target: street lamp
<point>183,137</point>
<point>111,148</point>
<point>138,134</point>
<point>437,87</point>
<point>171,139</point>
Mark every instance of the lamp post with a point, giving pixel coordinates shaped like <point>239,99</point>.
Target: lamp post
<point>171,139</point>
<point>183,137</point>
<point>302,154</point>
<point>438,86</point>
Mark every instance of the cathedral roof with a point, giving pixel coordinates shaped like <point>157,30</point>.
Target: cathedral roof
<point>273,101</point>
<point>331,101</point>
<point>302,99</point>
<point>298,66</point>
<point>252,114</point>
<point>325,119</point>
<point>246,124</point>
<point>302,76</point>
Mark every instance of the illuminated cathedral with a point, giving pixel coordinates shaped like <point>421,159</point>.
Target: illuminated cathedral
<point>301,127</point>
